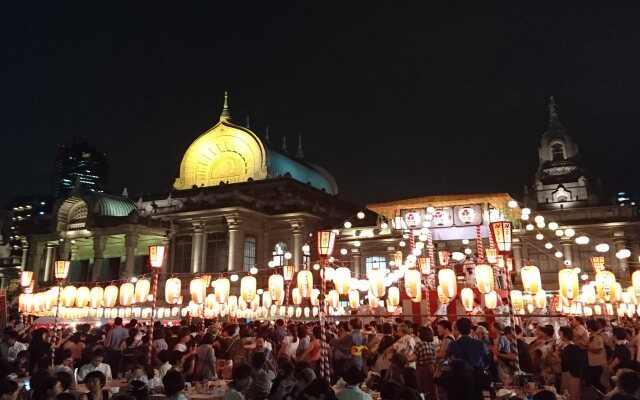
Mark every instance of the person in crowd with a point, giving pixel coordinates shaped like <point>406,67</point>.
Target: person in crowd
<point>205,361</point>
<point>545,395</point>
<point>289,345</point>
<point>596,356</point>
<point>580,333</point>
<point>226,345</point>
<point>21,365</point>
<point>12,346</point>
<point>524,355</point>
<point>163,357</point>
<point>260,346</point>
<point>381,360</point>
<point>341,347</point>
<point>570,363</point>
<point>183,339</point>
<point>48,390</point>
<point>66,380</point>
<point>177,358</point>
<point>393,374</point>
<point>263,377</point>
<point>96,364</point>
<point>113,344</point>
<point>502,312</point>
<point>65,363</point>
<point>95,382</point>
<point>242,378</point>
<point>284,380</point>
<point>405,343</point>
<point>75,345</point>
<point>304,342</point>
<point>9,389</point>
<point>173,383</point>
<point>621,355</point>
<point>159,343</point>
<point>319,389</point>
<point>313,353</point>
<point>353,378</point>
<point>39,347</point>
<point>472,353</point>
<point>424,355</point>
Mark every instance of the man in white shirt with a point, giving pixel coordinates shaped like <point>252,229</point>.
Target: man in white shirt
<point>502,313</point>
<point>12,347</point>
<point>95,365</point>
<point>405,344</point>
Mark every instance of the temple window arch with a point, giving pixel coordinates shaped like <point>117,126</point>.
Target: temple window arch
<point>557,151</point>
<point>562,195</point>
<point>279,251</point>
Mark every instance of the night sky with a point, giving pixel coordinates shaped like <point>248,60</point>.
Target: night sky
<point>395,99</point>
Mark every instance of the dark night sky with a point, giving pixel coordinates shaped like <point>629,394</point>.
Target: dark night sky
<point>395,99</point>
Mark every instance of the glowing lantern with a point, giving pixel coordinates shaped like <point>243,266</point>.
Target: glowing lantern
<point>441,296</point>
<point>172,290</point>
<point>305,282</point>
<point>342,280</point>
<point>447,279</point>
<point>156,256</point>
<point>376,282</point>
<point>290,311</point>
<point>517,301</point>
<point>598,263</point>
<point>143,286</point>
<point>374,302</point>
<point>296,296</point>
<point>569,283</point>
<point>492,255</point>
<point>52,298</point>
<point>61,269</point>
<point>632,295</point>
<point>327,273</point>
<point>393,296</point>
<point>597,309</point>
<point>276,288</point>
<point>617,292</point>
<point>68,296</point>
<point>540,299</point>
<point>25,278</point>
<point>326,242</point>
<point>531,281</point>
<point>605,282</point>
<point>635,282</point>
<point>589,294</point>
<point>443,257</point>
<point>127,292</point>
<point>248,288</point>
<point>413,283</point>
<point>501,232</point>
<point>307,312</point>
<point>625,298</point>
<point>110,296</point>
<point>509,262</point>
<point>333,298</point>
<point>588,311</point>
<point>424,263</point>
<point>354,299</point>
<point>314,299</point>
<point>95,296</point>
<point>82,296</point>
<point>484,278</point>
<point>466,296</point>
<point>198,290</point>
<point>397,258</point>
<point>287,272</point>
<point>210,300</point>
<point>491,300</point>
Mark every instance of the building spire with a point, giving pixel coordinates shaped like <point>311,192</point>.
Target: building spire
<point>248,124</point>
<point>267,139</point>
<point>225,108</point>
<point>299,153</point>
<point>284,144</point>
<point>553,112</point>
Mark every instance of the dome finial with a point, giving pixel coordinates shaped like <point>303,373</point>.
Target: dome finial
<point>266,135</point>
<point>284,144</point>
<point>299,153</point>
<point>225,108</point>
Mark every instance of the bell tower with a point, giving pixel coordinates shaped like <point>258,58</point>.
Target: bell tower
<point>561,180</point>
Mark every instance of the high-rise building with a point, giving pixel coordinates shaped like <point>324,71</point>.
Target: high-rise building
<point>79,162</point>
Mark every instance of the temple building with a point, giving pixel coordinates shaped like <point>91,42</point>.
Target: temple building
<point>237,203</point>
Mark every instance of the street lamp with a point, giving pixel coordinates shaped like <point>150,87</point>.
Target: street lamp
<point>60,271</point>
<point>156,258</point>
<point>326,243</point>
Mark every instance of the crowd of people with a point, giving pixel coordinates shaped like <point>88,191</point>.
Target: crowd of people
<point>278,360</point>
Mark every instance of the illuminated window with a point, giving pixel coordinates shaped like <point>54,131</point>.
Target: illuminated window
<point>249,259</point>
<point>182,260</point>
<point>375,262</point>
<point>217,249</point>
<point>278,254</point>
<point>557,152</point>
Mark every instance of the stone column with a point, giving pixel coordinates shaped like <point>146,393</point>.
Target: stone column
<point>64,250</point>
<point>356,263</point>
<point>25,252</point>
<point>298,237</point>
<point>196,247</point>
<point>130,244</point>
<point>620,242</point>
<point>99,245</point>
<point>516,247</point>
<point>48,263</point>
<point>203,257</point>
<point>266,250</point>
<point>567,250</point>
<point>235,243</point>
